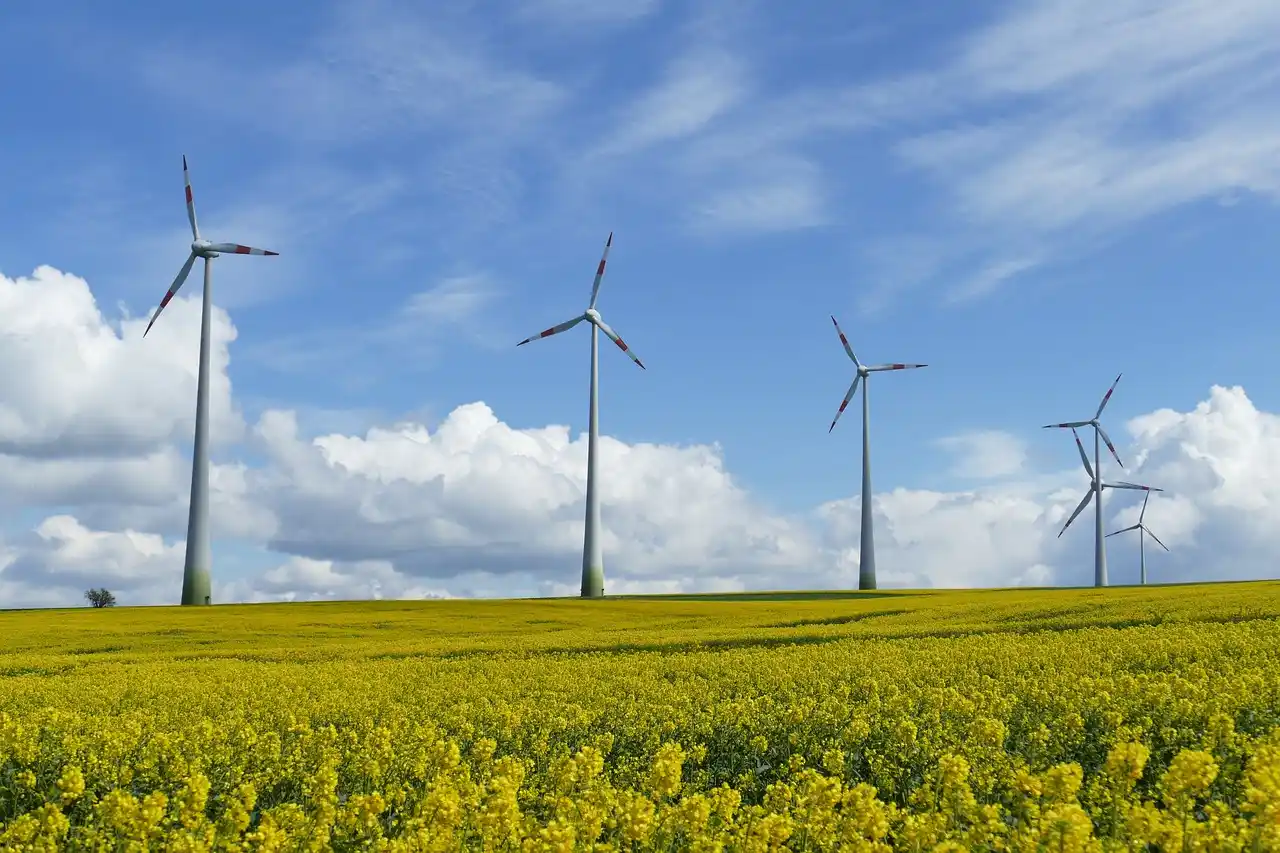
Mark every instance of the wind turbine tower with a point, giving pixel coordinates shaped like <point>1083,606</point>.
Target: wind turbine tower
<point>1095,474</point>
<point>1143,532</point>
<point>592,554</point>
<point>195,571</point>
<point>867,549</point>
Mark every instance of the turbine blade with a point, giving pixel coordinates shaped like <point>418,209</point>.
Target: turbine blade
<point>845,341</point>
<point>622,345</point>
<point>1126,530</point>
<point>595,287</point>
<point>554,330</point>
<point>237,249</point>
<point>1143,514</point>
<point>1084,457</point>
<point>1106,439</point>
<point>1124,484</point>
<point>1071,425</point>
<point>1153,536</point>
<point>191,202</point>
<point>173,288</point>
<point>1079,509</point>
<point>1107,397</point>
<point>881,367</point>
<point>853,389</point>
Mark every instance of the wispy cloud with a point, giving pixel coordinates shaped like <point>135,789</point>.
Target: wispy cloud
<point>985,454</point>
<point>578,16</point>
<point>452,301</point>
<point>695,89</point>
<point>1080,118</point>
<point>772,196</point>
<point>372,68</point>
<point>413,333</point>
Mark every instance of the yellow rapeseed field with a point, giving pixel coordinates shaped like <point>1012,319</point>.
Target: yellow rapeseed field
<point>1065,720</point>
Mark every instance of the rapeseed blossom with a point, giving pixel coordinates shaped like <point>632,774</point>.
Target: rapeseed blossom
<point>1124,719</point>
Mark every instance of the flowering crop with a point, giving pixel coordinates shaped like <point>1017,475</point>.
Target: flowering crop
<point>1069,720</point>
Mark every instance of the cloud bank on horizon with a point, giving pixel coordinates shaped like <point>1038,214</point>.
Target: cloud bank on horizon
<point>1031,197</point>
<point>474,506</point>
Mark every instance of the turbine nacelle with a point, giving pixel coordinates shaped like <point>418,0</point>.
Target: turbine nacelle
<point>200,248</point>
<point>864,372</point>
<point>591,315</point>
<point>203,249</point>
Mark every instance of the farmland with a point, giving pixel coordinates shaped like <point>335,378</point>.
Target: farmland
<point>1022,720</point>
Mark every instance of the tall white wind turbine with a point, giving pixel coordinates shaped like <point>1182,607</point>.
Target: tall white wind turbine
<point>592,554</point>
<point>1095,474</point>
<point>1143,531</point>
<point>195,571</point>
<point>867,550</point>
<point>1096,486</point>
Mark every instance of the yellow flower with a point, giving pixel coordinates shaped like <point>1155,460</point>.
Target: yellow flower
<point>1190,774</point>
<point>70,784</point>
<point>1126,761</point>
<point>1062,783</point>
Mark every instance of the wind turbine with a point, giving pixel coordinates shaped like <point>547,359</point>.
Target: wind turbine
<point>1096,485</point>
<point>1143,531</point>
<point>867,550</point>
<point>195,570</point>
<point>1095,474</point>
<point>592,554</point>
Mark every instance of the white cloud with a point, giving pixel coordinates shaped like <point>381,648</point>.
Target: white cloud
<point>369,68</point>
<point>985,454</point>
<point>63,556</point>
<point>1224,456</point>
<point>477,495</point>
<point>697,88</point>
<point>584,15</point>
<point>453,300</point>
<point>79,385</point>
<point>475,506</point>
<point>1071,120</point>
<point>781,196</point>
<point>411,334</point>
<point>97,418</point>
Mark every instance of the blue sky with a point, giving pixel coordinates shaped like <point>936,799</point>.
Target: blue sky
<point>1030,197</point>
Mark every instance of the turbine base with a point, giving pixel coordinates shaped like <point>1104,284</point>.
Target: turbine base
<point>593,582</point>
<point>196,587</point>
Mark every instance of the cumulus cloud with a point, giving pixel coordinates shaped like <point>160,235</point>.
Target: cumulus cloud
<point>985,454</point>
<point>97,418</point>
<point>1220,463</point>
<point>475,507</point>
<point>62,558</point>
<point>77,384</point>
<point>477,495</point>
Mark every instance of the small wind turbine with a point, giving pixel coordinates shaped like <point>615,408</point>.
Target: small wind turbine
<point>195,571</point>
<point>867,550</point>
<point>1096,485</point>
<point>592,554</point>
<point>1095,473</point>
<point>1143,531</point>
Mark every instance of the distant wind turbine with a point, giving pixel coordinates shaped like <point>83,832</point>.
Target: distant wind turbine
<point>1143,531</point>
<point>1095,474</point>
<point>867,550</point>
<point>592,553</point>
<point>1096,485</point>
<point>195,571</point>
